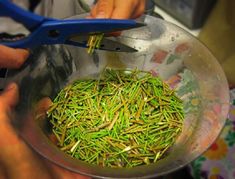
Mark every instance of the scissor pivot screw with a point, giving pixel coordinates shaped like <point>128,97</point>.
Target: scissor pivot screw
<point>118,49</point>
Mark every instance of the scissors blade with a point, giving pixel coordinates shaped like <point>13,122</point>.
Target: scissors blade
<point>106,44</point>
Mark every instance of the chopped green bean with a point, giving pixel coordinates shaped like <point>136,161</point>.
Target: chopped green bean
<point>126,118</point>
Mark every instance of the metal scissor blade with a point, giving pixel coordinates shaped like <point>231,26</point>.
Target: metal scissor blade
<point>106,44</point>
<point>139,24</point>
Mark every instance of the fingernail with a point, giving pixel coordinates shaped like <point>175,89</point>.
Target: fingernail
<point>10,86</point>
<point>101,15</point>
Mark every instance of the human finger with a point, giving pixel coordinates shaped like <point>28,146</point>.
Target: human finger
<point>139,10</point>
<point>92,12</point>
<point>12,58</point>
<point>103,9</point>
<point>9,97</point>
<point>123,9</point>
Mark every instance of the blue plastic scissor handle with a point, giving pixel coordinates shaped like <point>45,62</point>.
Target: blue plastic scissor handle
<point>30,20</point>
<point>59,31</point>
<point>46,31</point>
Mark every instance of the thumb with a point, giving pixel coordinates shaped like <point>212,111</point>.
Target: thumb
<point>10,95</point>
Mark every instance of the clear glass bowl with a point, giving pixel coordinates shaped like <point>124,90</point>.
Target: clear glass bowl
<point>165,50</point>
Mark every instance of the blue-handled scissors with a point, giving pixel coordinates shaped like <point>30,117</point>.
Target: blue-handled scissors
<point>49,31</point>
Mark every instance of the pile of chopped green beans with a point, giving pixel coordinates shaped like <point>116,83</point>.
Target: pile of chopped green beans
<point>125,119</point>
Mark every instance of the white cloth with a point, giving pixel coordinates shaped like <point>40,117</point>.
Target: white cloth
<point>10,26</point>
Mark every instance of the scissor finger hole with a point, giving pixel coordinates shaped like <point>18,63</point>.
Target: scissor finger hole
<point>53,33</point>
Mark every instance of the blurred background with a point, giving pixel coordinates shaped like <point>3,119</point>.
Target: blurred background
<point>212,21</point>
